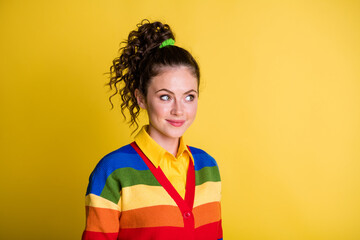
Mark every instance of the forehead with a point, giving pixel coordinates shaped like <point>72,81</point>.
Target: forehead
<point>178,78</point>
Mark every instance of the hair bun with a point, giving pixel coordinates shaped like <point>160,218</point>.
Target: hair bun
<point>149,35</point>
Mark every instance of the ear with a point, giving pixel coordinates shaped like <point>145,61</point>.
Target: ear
<point>140,98</point>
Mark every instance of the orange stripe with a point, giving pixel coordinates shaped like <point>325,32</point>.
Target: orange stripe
<point>102,220</point>
<point>207,213</point>
<point>156,216</point>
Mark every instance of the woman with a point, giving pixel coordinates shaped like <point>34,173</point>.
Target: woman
<point>156,187</point>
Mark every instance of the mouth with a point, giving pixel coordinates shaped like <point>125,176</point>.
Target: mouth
<point>176,123</point>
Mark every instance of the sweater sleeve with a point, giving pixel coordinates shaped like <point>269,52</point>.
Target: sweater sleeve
<point>102,205</point>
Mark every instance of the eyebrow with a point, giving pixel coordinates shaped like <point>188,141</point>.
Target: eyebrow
<point>167,90</point>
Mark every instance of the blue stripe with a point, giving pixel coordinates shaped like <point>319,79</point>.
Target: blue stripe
<point>202,159</point>
<point>124,157</point>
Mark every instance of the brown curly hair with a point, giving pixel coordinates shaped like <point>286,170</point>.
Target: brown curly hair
<point>140,60</point>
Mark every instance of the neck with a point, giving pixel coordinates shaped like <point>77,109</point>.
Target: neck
<point>169,144</point>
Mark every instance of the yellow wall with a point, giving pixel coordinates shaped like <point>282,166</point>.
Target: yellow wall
<point>279,110</point>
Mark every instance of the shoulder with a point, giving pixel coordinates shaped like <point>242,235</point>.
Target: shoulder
<point>202,159</point>
<point>124,157</point>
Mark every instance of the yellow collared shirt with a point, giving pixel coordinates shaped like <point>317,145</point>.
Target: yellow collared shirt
<point>174,168</point>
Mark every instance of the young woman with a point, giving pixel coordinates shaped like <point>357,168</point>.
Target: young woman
<point>156,187</point>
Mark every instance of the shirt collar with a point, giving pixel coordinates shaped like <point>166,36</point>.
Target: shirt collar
<point>153,150</point>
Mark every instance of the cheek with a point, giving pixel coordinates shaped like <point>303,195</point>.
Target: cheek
<point>157,111</point>
<point>192,110</point>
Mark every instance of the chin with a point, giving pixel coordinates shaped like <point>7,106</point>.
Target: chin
<point>175,133</point>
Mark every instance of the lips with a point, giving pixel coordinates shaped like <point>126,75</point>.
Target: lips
<point>176,123</point>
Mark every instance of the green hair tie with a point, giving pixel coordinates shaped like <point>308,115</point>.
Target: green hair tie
<point>167,42</point>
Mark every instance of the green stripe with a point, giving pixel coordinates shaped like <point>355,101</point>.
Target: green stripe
<point>125,177</point>
<point>207,174</point>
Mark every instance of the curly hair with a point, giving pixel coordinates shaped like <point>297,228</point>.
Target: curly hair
<point>140,60</point>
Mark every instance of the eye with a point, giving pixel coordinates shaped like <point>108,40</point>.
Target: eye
<point>165,97</point>
<point>189,98</point>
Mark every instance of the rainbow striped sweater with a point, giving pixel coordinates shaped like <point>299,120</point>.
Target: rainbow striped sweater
<point>129,198</point>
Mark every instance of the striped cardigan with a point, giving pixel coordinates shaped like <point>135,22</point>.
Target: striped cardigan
<point>128,198</point>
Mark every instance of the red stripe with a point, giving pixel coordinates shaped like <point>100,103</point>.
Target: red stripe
<point>88,235</point>
<point>206,232</point>
<point>220,230</point>
<point>209,231</point>
<point>158,233</point>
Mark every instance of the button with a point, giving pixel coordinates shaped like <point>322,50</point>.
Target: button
<point>187,214</point>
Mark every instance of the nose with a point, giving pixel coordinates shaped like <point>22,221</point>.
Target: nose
<point>177,108</point>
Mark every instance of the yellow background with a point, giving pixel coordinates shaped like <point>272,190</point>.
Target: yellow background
<point>279,110</point>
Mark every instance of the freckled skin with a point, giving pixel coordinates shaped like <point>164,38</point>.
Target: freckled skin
<point>171,104</point>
